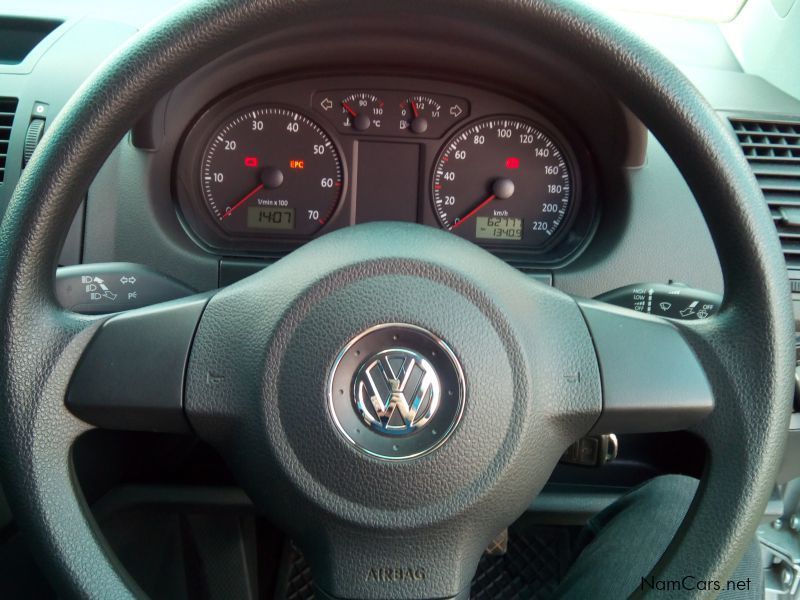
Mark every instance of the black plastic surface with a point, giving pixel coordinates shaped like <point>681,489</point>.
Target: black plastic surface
<point>18,36</point>
<point>387,182</point>
<point>104,288</point>
<point>72,250</point>
<point>232,270</point>
<point>132,374</point>
<point>652,379</point>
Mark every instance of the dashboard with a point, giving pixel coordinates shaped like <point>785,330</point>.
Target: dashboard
<point>626,217</point>
<point>271,165</point>
<point>278,143</point>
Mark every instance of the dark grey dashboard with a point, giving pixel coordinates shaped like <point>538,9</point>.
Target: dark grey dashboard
<point>625,217</point>
<point>594,205</point>
<point>634,221</point>
<point>387,172</point>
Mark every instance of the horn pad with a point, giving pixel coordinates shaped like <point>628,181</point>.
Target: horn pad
<point>396,391</point>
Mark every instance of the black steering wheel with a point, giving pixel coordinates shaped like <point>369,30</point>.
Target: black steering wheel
<point>521,370</point>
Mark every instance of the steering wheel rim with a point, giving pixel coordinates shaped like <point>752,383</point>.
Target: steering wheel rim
<point>747,349</point>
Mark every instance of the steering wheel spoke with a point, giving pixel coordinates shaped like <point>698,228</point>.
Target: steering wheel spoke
<point>131,373</point>
<point>652,379</point>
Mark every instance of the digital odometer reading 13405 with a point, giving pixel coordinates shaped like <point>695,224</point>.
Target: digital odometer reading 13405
<point>271,170</point>
<point>503,181</point>
<point>498,228</point>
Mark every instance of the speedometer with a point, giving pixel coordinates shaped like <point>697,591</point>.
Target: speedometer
<point>505,182</point>
<point>270,170</point>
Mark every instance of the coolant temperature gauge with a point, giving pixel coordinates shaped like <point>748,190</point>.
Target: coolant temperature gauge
<point>362,111</point>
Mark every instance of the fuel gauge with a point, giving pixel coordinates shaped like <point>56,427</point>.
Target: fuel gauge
<point>417,113</point>
<point>430,115</point>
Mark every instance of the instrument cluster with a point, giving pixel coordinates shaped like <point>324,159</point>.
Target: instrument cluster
<point>266,168</point>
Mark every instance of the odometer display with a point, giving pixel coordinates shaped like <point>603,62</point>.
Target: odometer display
<point>270,218</point>
<point>503,181</point>
<point>270,170</point>
<point>498,228</point>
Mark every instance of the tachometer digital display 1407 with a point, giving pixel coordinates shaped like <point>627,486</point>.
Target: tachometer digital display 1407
<point>503,181</point>
<point>272,170</point>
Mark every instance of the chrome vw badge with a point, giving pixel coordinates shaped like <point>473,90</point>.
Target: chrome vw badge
<point>396,391</point>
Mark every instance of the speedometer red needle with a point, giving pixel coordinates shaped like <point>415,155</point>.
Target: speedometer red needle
<point>414,107</point>
<point>473,212</point>
<point>247,196</point>
<point>350,110</point>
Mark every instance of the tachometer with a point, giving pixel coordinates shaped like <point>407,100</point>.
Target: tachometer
<point>503,181</point>
<point>271,170</point>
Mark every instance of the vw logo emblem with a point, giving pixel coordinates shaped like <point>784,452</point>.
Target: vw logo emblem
<point>397,391</point>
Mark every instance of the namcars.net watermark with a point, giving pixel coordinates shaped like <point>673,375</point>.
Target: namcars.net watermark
<point>689,583</point>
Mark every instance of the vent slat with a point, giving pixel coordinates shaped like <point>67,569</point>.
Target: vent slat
<point>791,248</point>
<point>744,124</point>
<point>770,151</point>
<point>8,107</point>
<point>776,169</point>
<point>777,200</point>
<point>751,135</point>
<point>773,150</point>
<point>772,146</point>
<point>784,184</point>
<point>773,160</point>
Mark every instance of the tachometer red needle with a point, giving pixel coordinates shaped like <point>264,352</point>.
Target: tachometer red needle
<point>350,110</point>
<point>414,107</point>
<point>473,212</point>
<point>247,196</point>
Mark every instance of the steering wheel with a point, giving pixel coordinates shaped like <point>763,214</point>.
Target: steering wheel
<point>506,372</point>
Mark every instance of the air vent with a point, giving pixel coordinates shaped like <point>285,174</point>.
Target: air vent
<point>773,150</point>
<point>8,107</point>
